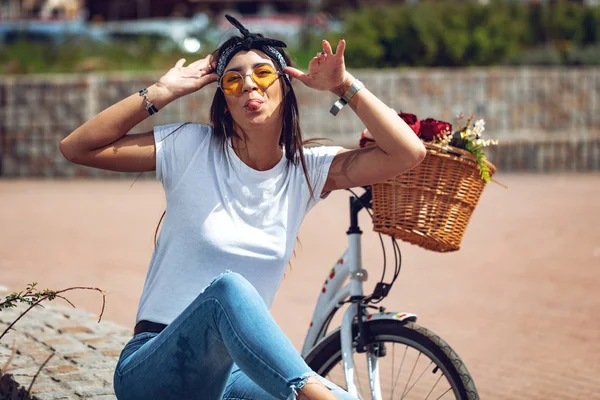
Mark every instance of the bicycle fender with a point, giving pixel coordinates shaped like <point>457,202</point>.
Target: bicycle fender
<point>391,315</point>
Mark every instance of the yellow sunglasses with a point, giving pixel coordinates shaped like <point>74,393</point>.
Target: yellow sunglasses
<point>264,75</point>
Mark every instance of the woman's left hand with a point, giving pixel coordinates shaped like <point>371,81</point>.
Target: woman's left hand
<point>326,71</point>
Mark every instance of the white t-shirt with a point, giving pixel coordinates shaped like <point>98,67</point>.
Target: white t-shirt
<point>223,215</point>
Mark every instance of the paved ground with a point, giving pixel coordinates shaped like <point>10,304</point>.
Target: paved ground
<point>519,302</point>
<point>84,353</point>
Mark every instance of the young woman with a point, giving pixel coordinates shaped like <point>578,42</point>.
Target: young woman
<point>237,191</point>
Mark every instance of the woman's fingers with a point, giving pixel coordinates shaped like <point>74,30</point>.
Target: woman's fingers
<point>293,72</point>
<point>203,63</point>
<point>211,74</point>
<point>210,78</point>
<point>180,63</point>
<point>197,64</point>
<point>316,60</point>
<point>327,47</point>
<point>296,73</point>
<point>339,51</point>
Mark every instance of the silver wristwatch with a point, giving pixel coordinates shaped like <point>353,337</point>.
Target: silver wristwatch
<point>345,99</point>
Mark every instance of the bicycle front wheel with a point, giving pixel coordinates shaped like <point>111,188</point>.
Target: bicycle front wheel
<point>413,363</point>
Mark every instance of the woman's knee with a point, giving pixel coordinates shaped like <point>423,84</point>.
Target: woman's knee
<point>235,294</point>
<point>229,281</point>
<point>234,286</point>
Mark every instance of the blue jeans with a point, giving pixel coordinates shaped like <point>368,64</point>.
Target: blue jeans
<point>224,345</point>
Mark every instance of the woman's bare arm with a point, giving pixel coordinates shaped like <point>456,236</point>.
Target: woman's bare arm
<point>398,148</point>
<point>102,142</point>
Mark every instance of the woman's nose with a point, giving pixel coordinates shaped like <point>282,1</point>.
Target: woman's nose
<point>249,83</point>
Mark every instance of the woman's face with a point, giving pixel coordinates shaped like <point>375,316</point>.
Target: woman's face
<point>254,106</point>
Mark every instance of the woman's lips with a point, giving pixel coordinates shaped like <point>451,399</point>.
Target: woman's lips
<point>253,105</point>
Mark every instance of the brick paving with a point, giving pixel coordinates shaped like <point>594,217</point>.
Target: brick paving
<point>519,302</point>
<point>85,352</point>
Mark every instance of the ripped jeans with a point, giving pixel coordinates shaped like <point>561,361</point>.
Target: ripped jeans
<point>224,345</point>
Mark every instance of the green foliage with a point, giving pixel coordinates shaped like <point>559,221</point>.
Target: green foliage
<point>34,297</point>
<point>551,56</point>
<point>140,54</point>
<point>542,56</point>
<point>589,55</point>
<point>31,295</point>
<point>430,33</point>
<point>484,170</point>
<point>469,138</point>
<point>590,29</point>
<point>450,33</point>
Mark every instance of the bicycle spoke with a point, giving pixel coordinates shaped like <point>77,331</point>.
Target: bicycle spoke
<point>392,371</point>
<point>421,381</point>
<point>424,386</point>
<point>413,385</point>
<point>411,374</point>
<point>443,394</point>
<point>436,382</point>
<point>400,370</point>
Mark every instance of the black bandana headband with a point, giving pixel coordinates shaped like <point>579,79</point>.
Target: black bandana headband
<point>249,42</point>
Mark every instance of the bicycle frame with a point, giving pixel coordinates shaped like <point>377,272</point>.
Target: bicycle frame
<point>334,294</point>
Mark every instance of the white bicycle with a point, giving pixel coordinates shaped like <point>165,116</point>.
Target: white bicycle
<point>381,355</point>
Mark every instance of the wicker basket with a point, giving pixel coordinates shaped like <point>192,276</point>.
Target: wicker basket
<point>430,205</point>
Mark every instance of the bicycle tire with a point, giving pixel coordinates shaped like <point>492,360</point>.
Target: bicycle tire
<point>327,353</point>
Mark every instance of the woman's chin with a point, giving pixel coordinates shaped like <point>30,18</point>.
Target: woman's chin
<point>256,117</point>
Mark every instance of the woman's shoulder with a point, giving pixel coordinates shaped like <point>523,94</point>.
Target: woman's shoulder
<point>176,146</point>
<point>186,135</point>
<point>182,128</point>
<point>320,149</point>
<point>319,153</point>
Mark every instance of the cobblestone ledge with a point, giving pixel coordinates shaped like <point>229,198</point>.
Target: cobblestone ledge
<point>85,354</point>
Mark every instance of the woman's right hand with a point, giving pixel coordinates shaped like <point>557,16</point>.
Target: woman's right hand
<point>103,142</point>
<point>180,80</point>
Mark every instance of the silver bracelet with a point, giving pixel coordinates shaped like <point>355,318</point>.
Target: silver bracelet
<point>151,108</point>
<point>345,99</point>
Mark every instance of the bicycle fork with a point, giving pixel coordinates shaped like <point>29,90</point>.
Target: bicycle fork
<point>348,344</point>
<point>355,312</point>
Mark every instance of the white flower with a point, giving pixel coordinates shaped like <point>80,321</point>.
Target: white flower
<point>485,143</point>
<point>479,128</point>
<point>470,134</point>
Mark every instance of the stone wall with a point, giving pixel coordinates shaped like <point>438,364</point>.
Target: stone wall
<point>546,119</point>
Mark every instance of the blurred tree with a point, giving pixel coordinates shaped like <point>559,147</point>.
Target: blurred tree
<point>590,26</point>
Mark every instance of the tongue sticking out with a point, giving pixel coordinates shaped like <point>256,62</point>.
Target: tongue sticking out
<point>253,105</point>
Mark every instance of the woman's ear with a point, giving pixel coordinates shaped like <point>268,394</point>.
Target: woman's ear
<point>226,110</point>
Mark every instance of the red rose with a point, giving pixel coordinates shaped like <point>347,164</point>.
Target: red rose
<point>431,128</point>
<point>412,121</point>
<point>366,138</point>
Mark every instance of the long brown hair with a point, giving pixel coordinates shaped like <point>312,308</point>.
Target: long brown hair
<point>291,133</point>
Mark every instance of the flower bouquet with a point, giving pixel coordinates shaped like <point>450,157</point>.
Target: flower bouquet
<point>431,205</point>
<point>468,137</point>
